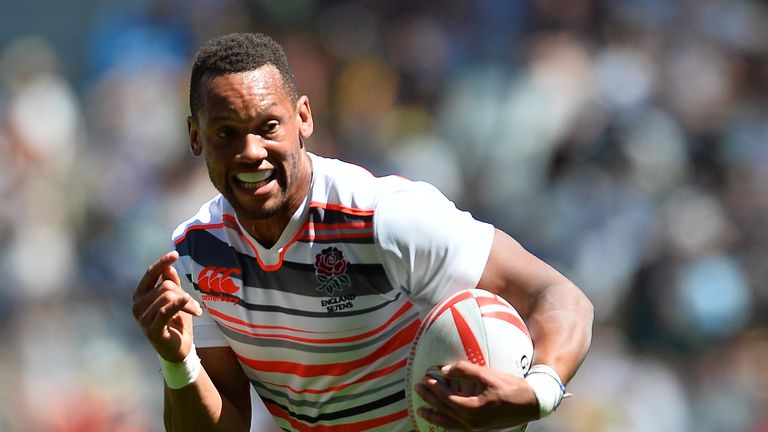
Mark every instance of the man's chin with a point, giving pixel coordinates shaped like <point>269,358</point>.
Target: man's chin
<point>249,210</point>
<point>262,213</point>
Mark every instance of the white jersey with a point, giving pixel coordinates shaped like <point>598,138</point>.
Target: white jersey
<point>323,321</point>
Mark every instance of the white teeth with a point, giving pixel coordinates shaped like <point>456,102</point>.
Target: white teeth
<point>254,177</point>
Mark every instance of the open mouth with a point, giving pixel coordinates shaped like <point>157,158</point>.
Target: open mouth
<point>255,179</point>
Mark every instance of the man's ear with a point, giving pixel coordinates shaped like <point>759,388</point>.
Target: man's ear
<point>304,117</point>
<point>194,136</point>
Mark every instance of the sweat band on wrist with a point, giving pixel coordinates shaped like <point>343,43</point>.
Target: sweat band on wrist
<point>547,387</point>
<point>183,373</point>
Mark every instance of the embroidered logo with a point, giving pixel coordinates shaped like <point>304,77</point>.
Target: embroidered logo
<point>217,280</point>
<point>331,271</point>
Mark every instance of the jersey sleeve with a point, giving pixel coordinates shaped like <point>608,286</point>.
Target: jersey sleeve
<point>205,331</point>
<point>429,247</point>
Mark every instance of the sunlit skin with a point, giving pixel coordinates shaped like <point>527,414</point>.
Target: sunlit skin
<point>250,131</point>
<point>251,134</point>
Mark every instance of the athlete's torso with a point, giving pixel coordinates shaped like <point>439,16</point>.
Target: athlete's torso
<point>318,322</point>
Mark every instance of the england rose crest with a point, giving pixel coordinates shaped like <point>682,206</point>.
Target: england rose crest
<point>331,271</point>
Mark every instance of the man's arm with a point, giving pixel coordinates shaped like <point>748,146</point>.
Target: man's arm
<point>218,400</point>
<point>559,317</point>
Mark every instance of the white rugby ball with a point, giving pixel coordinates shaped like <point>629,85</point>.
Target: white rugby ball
<point>474,325</point>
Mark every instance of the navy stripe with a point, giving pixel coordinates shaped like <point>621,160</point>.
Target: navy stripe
<point>297,312</point>
<point>295,278</point>
<point>208,250</point>
<point>366,270</point>
<point>321,215</point>
<point>345,413</point>
<point>356,240</point>
<point>260,388</point>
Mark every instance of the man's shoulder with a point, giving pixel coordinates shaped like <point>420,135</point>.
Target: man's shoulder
<point>210,214</point>
<point>350,184</point>
<point>329,169</point>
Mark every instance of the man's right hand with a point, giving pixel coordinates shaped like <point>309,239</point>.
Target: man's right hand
<point>164,310</point>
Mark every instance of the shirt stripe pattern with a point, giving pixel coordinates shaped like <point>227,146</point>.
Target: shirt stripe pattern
<point>322,335</point>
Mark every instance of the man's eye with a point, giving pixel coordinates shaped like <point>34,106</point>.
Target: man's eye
<point>270,127</point>
<point>225,133</point>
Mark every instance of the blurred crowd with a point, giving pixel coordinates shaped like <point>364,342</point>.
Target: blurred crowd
<point>623,141</point>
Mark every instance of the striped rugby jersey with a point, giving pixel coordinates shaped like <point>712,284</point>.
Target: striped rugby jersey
<point>322,322</point>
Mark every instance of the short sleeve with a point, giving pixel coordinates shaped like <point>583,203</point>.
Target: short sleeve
<point>205,331</point>
<point>429,247</point>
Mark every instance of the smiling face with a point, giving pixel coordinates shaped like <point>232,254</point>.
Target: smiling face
<point>251,133</point>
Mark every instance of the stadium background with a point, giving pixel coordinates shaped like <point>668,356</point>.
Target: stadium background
<point>624,141</point>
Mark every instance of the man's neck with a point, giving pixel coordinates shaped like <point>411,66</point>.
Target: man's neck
<point>268,231</point>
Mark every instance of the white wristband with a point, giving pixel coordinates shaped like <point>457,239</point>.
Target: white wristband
<point>183,373</point>
<point>547,387</point>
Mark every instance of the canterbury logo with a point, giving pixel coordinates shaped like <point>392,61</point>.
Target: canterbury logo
<point>218,280</point>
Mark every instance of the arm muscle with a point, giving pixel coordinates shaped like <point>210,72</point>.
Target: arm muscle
<point>557,313</point>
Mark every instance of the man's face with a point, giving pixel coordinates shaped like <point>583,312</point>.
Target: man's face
<point>250,133</point>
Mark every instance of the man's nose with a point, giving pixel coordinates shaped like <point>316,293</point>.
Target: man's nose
<point>253,148</point>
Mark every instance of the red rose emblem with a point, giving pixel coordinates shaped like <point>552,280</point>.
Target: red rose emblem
<point>331,270</point>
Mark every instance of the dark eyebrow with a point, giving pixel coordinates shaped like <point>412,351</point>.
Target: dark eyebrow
<point>223,118</point>
<point>228,115</point>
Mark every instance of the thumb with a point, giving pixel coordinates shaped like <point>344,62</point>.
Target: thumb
<point>462,369</point>
<point>464,378</point>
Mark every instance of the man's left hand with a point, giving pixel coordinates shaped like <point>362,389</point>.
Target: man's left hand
<point>472,397</point>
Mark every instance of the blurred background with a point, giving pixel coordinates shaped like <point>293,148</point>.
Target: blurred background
<point>623,141</point>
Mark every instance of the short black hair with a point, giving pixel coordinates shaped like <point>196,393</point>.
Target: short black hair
<point>238,52</point>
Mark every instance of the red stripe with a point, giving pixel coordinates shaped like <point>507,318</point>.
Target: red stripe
<point>283,250</point>
<point>231,319</point>
<point>495,300</point>
<point>229,221</point>
<point>468,340</point>
<point>320,226</point>
<point>508,317</point>
<point>334,236</point>
<point>279,412</point>
<point>446,304</point>
<point>353,338</point>
<point>341,208</point>
<point>198,227</point>
<point>367,377</point>
<point>401,339</point>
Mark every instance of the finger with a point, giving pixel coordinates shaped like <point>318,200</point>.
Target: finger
<point>463,369</point>
<point>424,390</point>
<point>448,406</point>
<point>141,301</point>
<point>172,281</point>
<point>459,386</point>
<point>436,393</point>
<point>161,313</point>
<point>142,305</point>
<point>169,273</point>
<point>192,307</point>
<point>153,273</point>
<point>166,292</point>
<point>170,292</point>
<point>440,419</point>
<point>158,301</point>
<point>437,412</point>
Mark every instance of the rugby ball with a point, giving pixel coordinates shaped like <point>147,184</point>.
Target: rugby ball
<point>474,325</point>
